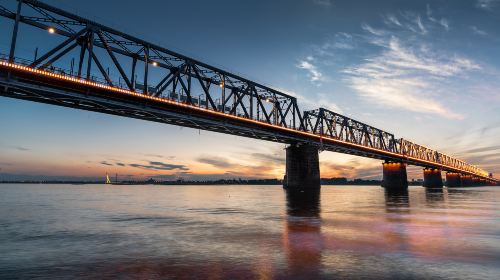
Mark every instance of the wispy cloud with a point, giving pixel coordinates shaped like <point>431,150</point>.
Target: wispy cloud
<point>157,165</point>
<point>277,158</point>
<point>314,74</point>
<point>215,161</point>
<point>400,66</point>
<point>478,31</point>
<point>443,21</point>
<point>483,149</point>
<point>412,22</point>
<point>391,19</point>
<point>160,156</point>
<point>373,31</point>
<point>354,168</point>
<point>340,41</point>
<point>420,25</point>
<point>258,165</point>
<point>487,4</point>
<point>405,78</point>
<point>445,24</point>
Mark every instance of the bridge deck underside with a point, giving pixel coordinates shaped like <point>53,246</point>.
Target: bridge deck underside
<point>19,85</point>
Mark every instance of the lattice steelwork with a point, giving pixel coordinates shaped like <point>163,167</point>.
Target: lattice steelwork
<point>411,149</point>
<point>93,67</point>
<point>133,60</point>
<point>325,122</point>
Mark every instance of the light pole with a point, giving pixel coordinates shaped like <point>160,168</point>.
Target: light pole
<point>223,91</point>
<point>199,100</point>
<point>273,111</point>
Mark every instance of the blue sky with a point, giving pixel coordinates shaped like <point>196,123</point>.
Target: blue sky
<point>427,71</point>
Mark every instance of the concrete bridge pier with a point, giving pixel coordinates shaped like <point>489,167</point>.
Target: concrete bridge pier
<point>394,176</point>
<point>466,180</point>
<point>302,168</point>
<point>476,181</point>
<point>453,180</point>
<point>432,178</point>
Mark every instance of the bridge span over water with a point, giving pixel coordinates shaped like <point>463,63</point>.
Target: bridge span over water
<point>85,65</point>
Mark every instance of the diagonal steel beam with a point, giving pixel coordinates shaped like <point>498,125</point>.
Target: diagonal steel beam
<point>59,55</point>
<point>59,47</point>
<point>205,89</point>
<point>115,61</point>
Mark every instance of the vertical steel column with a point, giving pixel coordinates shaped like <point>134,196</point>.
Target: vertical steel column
<point>14,32</point>
<point>132,79</point>
<point>223,92</point>
<point>251,105</point>
<point>258,108</point>
<point>146,66</point>
<point>91,51</point>
<point>275,111</point>
<point>82,56</point>
<point>188,93</point>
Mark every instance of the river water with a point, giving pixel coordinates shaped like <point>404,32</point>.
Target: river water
<point>247,232</point>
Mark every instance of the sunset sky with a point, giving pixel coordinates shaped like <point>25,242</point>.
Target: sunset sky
<point>428,71</point>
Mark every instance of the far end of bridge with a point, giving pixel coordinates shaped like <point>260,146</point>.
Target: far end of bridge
<point>303,173</point>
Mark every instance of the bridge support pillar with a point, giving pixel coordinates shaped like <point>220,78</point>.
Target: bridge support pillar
<point>466,180</point>
<point>432,178</point>
<point>302,168</point>
<point>476,181</point>
<point>453,180</point>
<point>395,177</point>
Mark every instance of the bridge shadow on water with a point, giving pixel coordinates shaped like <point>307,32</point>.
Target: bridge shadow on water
<point>396,199</point>
<point>302,237</point>
<point>436,197</point>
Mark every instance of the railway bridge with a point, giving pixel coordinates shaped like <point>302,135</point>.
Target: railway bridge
<point>85,65</point>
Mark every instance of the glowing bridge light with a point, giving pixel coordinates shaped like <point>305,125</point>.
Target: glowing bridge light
<point>51,30</point>
<point>154,63</point>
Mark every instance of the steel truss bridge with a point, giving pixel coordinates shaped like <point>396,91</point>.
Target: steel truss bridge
<point>93,67</point>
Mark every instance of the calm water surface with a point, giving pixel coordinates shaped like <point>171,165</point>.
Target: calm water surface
<point>247,232</point>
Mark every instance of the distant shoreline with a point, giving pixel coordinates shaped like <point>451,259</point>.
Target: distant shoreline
<point>324,181</point>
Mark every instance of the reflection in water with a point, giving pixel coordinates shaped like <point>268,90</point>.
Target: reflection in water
<point>396,200</point>
<point>302,237</point>
<point>435,196</point>
<point>246,232</point>
<point>303,203</point>
<point>397,206</point>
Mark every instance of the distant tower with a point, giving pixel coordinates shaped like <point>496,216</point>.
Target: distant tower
<point>107,179</point>
<point>491,175</point>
